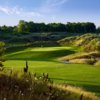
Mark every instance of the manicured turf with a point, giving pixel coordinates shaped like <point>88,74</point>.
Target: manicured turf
<point>43,60</point>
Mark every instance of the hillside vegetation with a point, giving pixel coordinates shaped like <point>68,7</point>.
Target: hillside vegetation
<point>89,45</point>
<point>89,42</point>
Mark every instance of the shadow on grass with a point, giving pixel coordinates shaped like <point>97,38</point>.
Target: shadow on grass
<point>87,86</point>
<point>39,55</point>
<point>92,88</point>
<point>14,49</point>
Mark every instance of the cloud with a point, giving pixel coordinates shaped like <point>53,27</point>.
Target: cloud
<point>55,2</point>
<point>8,10</point>
<point>18,11</point>
<point>47,7</point>
<point>52,5</point>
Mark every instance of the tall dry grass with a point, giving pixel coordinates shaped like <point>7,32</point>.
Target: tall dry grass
<point>26,86</point>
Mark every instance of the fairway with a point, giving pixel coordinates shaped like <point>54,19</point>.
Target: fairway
<point>44,60</point>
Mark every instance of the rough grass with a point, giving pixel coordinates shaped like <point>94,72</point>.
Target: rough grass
<point>44,60</point>
<point>82,61</point>
<point>27,86</point>
<point>83,58</point>
<point>89,42</point>
<point>84,39</point>
<point>97,63</point>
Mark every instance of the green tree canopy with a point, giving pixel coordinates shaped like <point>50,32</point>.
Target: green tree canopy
<point>22,26</point>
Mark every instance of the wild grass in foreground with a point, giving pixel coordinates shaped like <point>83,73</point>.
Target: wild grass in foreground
<point>26,86</point>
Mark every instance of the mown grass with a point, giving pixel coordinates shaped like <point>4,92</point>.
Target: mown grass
<point>38,54</point>
<point>43,60</point>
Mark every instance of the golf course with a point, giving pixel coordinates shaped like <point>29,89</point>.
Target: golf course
<point>45,60</point>
<point>50,50</point>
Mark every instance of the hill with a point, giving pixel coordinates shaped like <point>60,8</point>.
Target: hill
<point>89,42</point>
<point>89,45</point>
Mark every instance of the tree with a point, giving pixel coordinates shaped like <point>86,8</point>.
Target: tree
<point>56,27</point>
<point>98,30</point>
<point>1,54</point>
<point>22,26</point>
<point>6,29</point>
<point>81,27</point>
<point>31,27</point>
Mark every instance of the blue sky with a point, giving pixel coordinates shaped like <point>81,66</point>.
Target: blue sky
<point>11,11</point>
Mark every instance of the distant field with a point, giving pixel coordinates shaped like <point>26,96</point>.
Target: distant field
<point>44,60</point>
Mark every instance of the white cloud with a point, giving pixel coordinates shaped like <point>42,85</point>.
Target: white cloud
<point>55,2</point>
<point>51,5</point>
<point>18,11</point>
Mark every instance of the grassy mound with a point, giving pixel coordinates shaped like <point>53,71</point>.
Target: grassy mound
<point>89,42</point>
<point>83,58</point>
<point>14,86</point>
<point>89,45</point>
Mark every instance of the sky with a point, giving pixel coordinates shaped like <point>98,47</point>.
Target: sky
<point>48,11</point>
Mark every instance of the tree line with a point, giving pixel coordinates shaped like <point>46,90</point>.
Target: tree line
<point>31,27</point>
